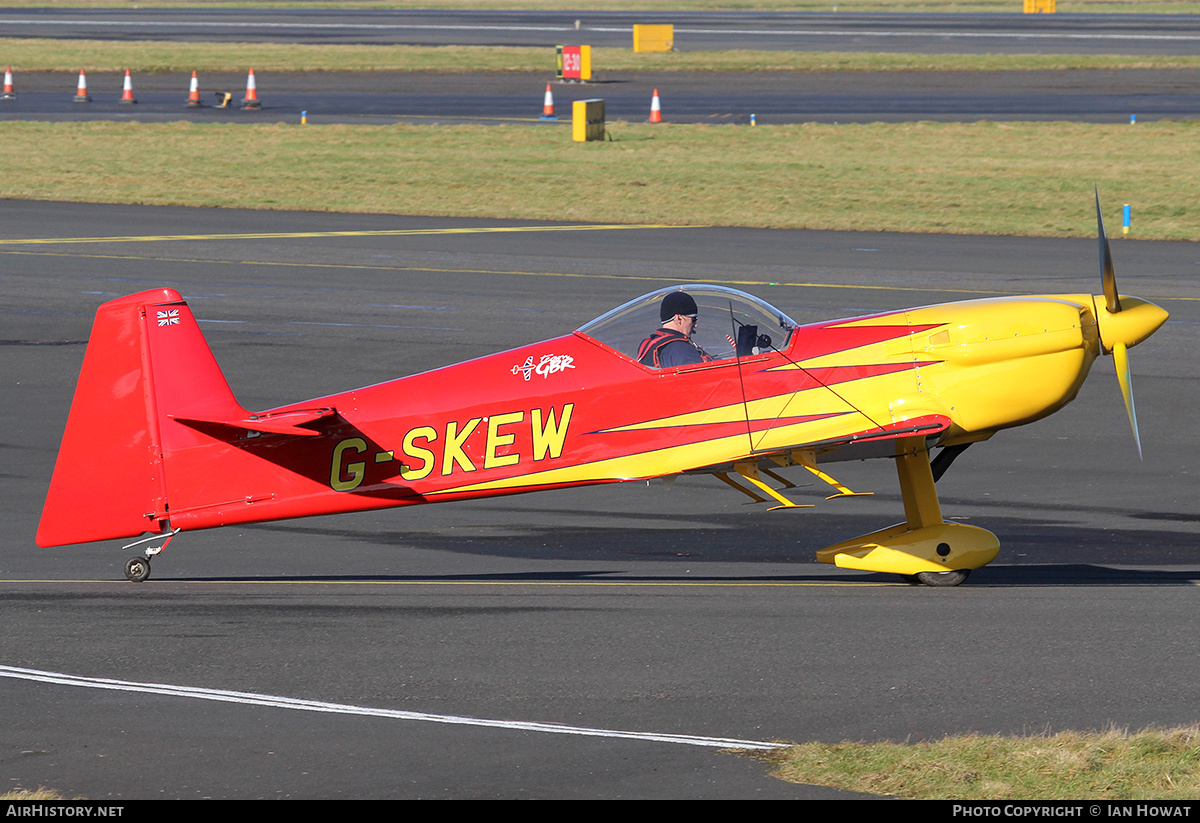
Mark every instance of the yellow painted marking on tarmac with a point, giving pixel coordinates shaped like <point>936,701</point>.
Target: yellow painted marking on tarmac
<point>517,273</point>
<point>159,238</point>
<point>504,583</point>
<point>603,583</point>
<point>430,270</point>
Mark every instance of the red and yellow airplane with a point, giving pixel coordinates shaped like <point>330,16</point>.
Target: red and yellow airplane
<point>156,443</point>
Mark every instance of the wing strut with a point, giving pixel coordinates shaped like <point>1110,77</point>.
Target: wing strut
<point>945,457</point>
<point>750,471</point>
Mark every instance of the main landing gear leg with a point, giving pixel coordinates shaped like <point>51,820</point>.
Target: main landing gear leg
<point>137,568</point>
<point>924,547</point>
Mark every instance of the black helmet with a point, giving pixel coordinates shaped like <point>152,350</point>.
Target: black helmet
<point>677,302</point>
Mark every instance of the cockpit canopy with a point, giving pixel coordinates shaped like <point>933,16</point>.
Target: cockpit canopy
<point>726,317</point>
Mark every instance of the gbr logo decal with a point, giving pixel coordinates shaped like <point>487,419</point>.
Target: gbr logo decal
<point>459,446</point>
<point>548,365</point>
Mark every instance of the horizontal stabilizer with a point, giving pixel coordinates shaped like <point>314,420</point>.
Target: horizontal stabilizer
<point>285,422</point>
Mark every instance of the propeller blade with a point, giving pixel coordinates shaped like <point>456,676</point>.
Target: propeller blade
<point>1108,274</point>
<point>1125,378</point>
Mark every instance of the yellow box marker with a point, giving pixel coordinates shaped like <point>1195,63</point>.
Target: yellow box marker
<point>587,120</point>
<point>1039,6</point>
<point>662,38</point>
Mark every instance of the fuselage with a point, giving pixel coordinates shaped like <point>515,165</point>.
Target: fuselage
<point>572,411</point>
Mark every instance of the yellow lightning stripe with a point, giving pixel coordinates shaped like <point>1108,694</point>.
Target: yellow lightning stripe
<point>732,413</point>
<point>760,410</point>
<point>159,238</point>
<point>668,460</point>
<point>654,463</point>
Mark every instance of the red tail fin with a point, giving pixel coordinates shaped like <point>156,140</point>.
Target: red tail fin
<point>145,356</point>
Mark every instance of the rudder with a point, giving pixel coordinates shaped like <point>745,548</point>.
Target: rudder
<point>145,355</point>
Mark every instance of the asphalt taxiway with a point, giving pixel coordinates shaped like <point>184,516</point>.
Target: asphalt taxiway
<point>921,33</point>
<point>686,97</point>
<point>598,640</point>
<point>368,98</point>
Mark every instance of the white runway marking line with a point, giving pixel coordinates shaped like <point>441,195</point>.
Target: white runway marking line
<point>273,701</point>
<point>1016,35</point>
<point>948,34</point>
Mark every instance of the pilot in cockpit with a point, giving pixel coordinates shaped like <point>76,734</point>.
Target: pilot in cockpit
<point>672,345</point>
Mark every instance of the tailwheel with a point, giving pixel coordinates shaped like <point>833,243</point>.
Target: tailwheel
<point>137,569</point>
<point>943,579</point>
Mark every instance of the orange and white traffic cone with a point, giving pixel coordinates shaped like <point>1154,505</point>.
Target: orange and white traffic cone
<point>127,94</point>
<point>250,101</point>
<point>81,94</point>
<point>655,109</point>
<point>9,93</point>
<point>194,92</point>
<point>548,105</point>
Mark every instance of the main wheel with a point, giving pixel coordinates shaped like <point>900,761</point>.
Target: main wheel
<point>942,579</point>
<point>137,569</point>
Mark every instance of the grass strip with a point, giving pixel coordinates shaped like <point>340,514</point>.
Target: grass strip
<point>1113,765</point>
<point>164,57</point>
<point>982,178</point>
<point>30,795</point>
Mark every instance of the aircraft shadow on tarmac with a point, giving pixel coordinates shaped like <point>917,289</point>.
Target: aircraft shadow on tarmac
<point>1033,552</point>
<point>993,576</point>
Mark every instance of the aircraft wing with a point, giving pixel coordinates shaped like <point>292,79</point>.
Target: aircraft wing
<point>863,445</point>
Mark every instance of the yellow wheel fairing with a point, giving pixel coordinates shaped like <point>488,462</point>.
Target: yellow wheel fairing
<point>900,550</point>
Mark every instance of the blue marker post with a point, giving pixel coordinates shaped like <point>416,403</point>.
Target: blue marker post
<point>303,117</point>
<point>1133,119</point>
<point>1125,228</point>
